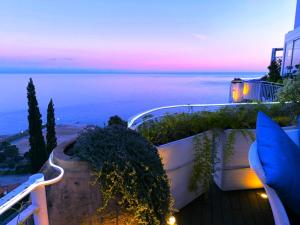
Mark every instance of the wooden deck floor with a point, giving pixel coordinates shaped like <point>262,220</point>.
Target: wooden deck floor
<point>230,208</point>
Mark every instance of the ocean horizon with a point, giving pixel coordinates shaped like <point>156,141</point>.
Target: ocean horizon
<point>93,98</point>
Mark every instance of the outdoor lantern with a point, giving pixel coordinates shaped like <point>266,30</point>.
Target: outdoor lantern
<point>236,90</point>
<point>246,88</point>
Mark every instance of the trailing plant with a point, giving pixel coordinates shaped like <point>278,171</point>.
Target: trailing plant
<point>228,148</point>
<point>205,148</point>
<point>129,171</point>
<point>203,165</point>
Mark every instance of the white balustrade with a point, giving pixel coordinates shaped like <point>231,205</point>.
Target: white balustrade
<point>35,187</point>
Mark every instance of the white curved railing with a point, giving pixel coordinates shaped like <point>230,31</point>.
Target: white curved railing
<point>35,186</point>
<point>140,118</point>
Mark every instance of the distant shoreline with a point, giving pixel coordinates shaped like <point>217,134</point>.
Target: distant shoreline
<point>127,72</point>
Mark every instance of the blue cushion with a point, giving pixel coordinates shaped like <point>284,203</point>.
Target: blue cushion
<point>299,128</point>
<point>280,159</point>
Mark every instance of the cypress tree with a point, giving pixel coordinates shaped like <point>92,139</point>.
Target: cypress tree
<point>274,71</point>
<point>37,152</point>
<point>51,135</point>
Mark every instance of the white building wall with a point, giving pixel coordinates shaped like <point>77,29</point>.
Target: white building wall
<point>291,54</point>
<point>297,17</point>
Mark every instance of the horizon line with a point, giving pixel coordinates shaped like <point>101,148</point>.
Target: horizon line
<point>88,71</point>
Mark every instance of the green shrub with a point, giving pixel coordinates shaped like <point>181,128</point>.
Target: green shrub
<point>177,126</point>
<point>2,157</point>
<point>116,120</point>
<point>127,168</point>
<point>290,91</point>
<point>8,150</point>
<point>274,72</point>
<point>11,161</point>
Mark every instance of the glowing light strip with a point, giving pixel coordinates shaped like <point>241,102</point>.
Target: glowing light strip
<point>24,189</point>
<point>132,121</point>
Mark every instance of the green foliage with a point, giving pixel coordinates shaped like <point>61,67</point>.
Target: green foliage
<point>128,169</point>
<point>290,91</point>
<point>204,162</point>
<point>38,154</point>
<point>51,134</point>
<point>116,120</point>
<point>10,160</point>
<point>174,127</point>
<point>2,157</point>
<point>228,148</point>
<point>274,72</point>
<point>205,148</point>
<point>8,150</point>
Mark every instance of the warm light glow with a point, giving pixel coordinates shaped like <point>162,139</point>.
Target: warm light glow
<point>235,94</point>
<point>253,181</point>
<point>263,195</point>
<point>246,89</point>
<point>172,220</point>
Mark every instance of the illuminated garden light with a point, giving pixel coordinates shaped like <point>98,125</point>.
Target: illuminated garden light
<point>263,195</point>
<point>172,220</point>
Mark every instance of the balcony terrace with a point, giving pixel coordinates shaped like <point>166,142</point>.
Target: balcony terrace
<point>235,197</point>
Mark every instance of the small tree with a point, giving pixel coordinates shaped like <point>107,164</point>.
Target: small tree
<point>274,71</point>
<point>37,152</point>
<point>290,91</point>
<point>116,120</point>
<point>51,134</point>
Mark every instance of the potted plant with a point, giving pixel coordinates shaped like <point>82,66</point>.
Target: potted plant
<point>186,142</point>
<point>112,175</point>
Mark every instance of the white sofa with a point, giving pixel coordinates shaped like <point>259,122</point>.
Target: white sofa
<point>279,212</point>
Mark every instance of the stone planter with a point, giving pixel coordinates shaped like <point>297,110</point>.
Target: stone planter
<point>74,200</point>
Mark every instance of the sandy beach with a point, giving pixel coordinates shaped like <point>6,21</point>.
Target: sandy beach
<point>63,133</point>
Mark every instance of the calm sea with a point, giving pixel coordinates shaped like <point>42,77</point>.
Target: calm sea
<point>92,99</point>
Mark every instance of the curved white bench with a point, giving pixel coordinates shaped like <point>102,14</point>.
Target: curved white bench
<point>279,212</point>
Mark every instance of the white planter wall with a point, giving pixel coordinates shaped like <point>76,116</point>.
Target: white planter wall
<point>178,159</point>
<point>235,173</point>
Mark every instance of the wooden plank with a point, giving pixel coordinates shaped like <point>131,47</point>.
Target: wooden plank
<point>232,207</point>
<point>216,200</point>
<point>227,212</point>
<point>265,210</point>
<point>204,212</point>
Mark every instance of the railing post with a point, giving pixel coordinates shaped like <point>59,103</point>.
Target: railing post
<point>38,199</point>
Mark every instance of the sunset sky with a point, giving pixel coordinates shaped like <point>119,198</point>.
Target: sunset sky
<point>141,35</point>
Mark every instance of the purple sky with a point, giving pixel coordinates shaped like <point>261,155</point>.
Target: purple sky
<point>135,35</point>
